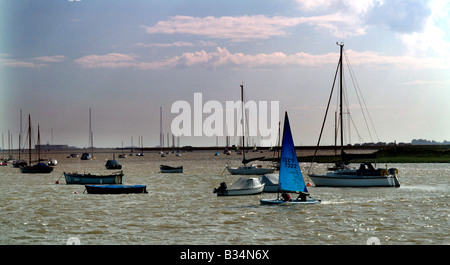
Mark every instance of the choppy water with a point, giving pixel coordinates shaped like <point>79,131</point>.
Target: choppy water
<point>181,208</point>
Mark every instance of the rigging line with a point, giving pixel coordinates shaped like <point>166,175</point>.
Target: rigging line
<point>360,97</point>
<point>325,117</point>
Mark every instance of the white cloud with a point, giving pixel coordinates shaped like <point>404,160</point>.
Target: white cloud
<point>222,58</point>
<point>36,62</point>
<point>111,60</point>
<point>237,29</point>
<point>435,36</point>
<point>165,45</point>
<point>51,59</point>
<point>258,27</point>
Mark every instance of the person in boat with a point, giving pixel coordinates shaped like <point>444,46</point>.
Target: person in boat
<point>285,197</point>
<point>302,196</point>
<point>221,188</point>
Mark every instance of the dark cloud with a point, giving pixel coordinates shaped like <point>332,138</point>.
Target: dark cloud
<point>400,16</point>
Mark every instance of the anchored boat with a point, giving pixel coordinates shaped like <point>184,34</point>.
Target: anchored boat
<point>344,176</point>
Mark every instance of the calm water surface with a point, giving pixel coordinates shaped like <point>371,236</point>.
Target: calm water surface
<point>181,208</point>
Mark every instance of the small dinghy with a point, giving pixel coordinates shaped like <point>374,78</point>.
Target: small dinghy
<point>169,169</point>
<point>291,178</point>
<point>115,189</point>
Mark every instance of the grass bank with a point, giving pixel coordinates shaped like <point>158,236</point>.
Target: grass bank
<point>398,154</point>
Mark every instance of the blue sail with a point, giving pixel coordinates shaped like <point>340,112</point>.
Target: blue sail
<point>291,178</point>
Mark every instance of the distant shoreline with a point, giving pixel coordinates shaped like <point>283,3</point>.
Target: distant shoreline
<point>324,154</point>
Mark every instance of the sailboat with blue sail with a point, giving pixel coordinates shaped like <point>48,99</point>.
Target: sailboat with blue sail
<point>291,178</point>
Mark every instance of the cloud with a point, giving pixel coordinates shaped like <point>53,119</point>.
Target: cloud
<point>51,59</point>
<point>258,27</point>
<point>175,44</point>
<point>399,15</point>
<point>243,28</point>
<point>111,60</point>
<point>223,58</point>
<point>165,45</point>
<point>434,38</point>
<point>36,62</point>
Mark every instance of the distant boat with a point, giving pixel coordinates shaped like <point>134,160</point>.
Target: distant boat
<point>39,168</point>
<point>113,164</point>
<point>77,178</point>
<point>169,169</point>
<point>343,176</point>
<point>242,186</point>
<point>86,156</point>
<point>115,189</point>
<point>254,169</point>
<point>248,170</point>
<point>291,178</point>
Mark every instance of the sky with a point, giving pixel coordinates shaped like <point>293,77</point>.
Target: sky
<point>126,59</point>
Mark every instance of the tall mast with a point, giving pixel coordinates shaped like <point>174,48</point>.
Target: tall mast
<point>340,101</point>
<point>243,121</point>
<point>29,138</point>
<point>161,135</point>
<point>90,143</point>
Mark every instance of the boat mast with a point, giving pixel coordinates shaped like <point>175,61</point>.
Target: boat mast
<point>29,138</point>
<point>243,122</point>
<point>340,101</point>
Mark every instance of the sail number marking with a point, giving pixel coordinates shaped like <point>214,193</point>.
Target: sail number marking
<point>288,162</point>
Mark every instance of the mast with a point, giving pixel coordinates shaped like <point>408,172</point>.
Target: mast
<point>340,101</point>
<point>243,123</point>
<point>161,135</point>
<point>29,138</point>
<point>38,149</point>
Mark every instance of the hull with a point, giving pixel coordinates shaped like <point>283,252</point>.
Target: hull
<point>168,169</point>
<point>333,180</point>
<point>75,178</point>
<point>293,202</point>
<point>115,189</point>
<point>249,170</point>
<point>241,192</point>
<point>36,169</point>
<point>270,188</point>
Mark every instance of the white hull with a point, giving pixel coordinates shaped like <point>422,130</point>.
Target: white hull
<point>240,192</point>
<point>270,188</point>
<point>335,180</point>
<point>250,170</point>
<point>293,202</point>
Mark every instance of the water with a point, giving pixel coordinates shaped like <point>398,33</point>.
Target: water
<point>181,208</point>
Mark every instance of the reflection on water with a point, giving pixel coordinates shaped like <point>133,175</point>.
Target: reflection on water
<point>182,209</point>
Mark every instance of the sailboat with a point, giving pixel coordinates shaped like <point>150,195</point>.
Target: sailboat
<point>253,169</point>
<point>88,156</point>
<point>344,176</point>
<point>291,178</point>
<point>39,167</point>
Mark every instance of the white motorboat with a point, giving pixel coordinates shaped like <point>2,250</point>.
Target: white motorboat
<point>242,186</point>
